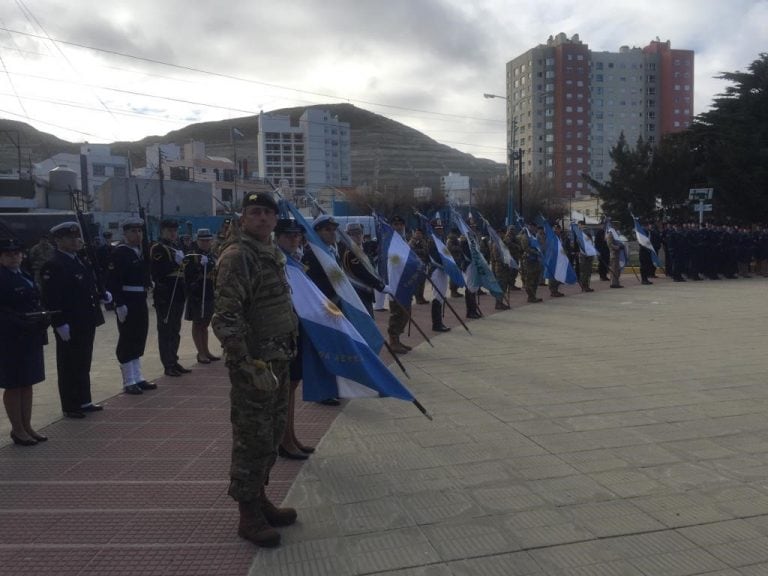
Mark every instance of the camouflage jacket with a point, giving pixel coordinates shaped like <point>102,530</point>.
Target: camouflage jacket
<point>253,314</point>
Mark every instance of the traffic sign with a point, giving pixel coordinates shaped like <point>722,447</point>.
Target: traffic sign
<point>700,193</point>
<point>701,207</point>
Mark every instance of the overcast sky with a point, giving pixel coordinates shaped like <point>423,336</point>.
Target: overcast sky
<point>105,71</point>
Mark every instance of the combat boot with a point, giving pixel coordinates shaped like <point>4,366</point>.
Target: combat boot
<point>500,305</point>
<point>254,527</point>
<point>276,516</point>
<point>437,317</point>
<point>396,347</point>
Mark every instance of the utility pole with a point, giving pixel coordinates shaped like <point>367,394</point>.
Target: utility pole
<point>520,179</point>
<point>162,180</point>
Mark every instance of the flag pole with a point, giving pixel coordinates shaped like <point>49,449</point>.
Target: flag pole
<point>397,360</point>
<point>451,308</point>
<point>422,409</point>
<point>412,321</point>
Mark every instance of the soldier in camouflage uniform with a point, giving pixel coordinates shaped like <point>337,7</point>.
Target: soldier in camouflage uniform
<point>39,254</point>
<point>502,273</point>
<point>530,264</point>
<point>513,245</point>
<point>420,246</point>
<point>257,327</point>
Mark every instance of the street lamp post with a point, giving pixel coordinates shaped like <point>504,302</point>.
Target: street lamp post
<point>512,155</point>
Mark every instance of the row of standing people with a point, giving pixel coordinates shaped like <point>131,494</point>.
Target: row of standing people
<point>72,289</point>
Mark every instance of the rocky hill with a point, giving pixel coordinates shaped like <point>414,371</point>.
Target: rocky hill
<point>385,154</point>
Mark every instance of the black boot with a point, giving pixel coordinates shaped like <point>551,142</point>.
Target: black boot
<point>437,317</point>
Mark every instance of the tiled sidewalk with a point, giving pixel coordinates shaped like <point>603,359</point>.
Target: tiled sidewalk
<point>140,488</point>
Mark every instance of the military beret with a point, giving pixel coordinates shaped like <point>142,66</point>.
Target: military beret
<point>107,234</point>
<point>11,245</point>
<point>65,229</point>
<point>324,220</point>
<point>288,226</point>
<point>204,234</point>
<point>397,220</point>
<point>260,199</point>
<point>169,223</point>
<point>133,223</point>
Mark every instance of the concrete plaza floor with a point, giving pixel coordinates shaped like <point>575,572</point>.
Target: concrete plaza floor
<point>623,432</point>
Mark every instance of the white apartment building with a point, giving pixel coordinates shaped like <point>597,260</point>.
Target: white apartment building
<point>456,188</point>
<point>308,157</point>
<point>94,165</point>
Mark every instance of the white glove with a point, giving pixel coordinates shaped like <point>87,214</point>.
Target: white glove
<point>122,313</point>
<point>63,332</point>
<point>107,297</point>
<point>388,290</point>
<point>204,260</point>
<point>179,257</point>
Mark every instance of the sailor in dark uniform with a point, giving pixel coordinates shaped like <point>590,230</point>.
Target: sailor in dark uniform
<point>69,286</point>
<point>199,280</point>
<point>22,336</point>
<point>168,295</point>
<point>128,280</point>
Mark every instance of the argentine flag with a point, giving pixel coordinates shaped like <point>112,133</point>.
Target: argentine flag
<point>351,305</point>
<point>446,260</point>
<point>478,271</point>
<point>586,245</point>
<point>501,248</point>
<point>623,257</point>
<point>556,263</point>
<point>398,263</point>
<point>336,360</point>
<point>645,241</point>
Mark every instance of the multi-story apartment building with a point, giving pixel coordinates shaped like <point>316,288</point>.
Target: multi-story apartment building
<point>308,157</point>
<point>568,105</point>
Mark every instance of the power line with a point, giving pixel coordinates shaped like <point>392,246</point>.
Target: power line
<point>242,79</point>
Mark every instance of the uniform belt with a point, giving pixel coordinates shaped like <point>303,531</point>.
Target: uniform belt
<point>134,289</point>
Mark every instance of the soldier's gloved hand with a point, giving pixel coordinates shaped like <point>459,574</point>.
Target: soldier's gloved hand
<point>122,313</point>
<point>387,290</point>
<point>204,260</point>
<point>179,257</point>
<point>63,332</point>
<point>106,298</point>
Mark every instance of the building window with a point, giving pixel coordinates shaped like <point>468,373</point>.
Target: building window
<point>99,170</point>
<point>226,195</point>
<point>119,171</point>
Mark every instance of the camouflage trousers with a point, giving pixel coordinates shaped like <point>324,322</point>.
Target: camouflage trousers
<point>585,270</point>
<point>531,274</point>
<point>259,407</point>
<point>398,318</point>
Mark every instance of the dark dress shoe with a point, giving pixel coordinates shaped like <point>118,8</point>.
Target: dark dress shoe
<point>203,359</point>
<point>440,328</point>
<point>144,385</point>
<point>39,437</point>
<point>180,369</point>
<point>213,358</point>
<point>132,389</point>
<point>76,414</point>
<point>22,442</point>
<point>291,455</point>
<point>330,402</point>
<point>307,449</point>
<point>92,408</point>
<point>172,372</point>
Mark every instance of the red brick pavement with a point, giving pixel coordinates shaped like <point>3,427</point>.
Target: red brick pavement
<point>140,488</point>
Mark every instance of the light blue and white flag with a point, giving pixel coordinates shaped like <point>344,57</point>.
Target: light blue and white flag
<point>556,263</point>
<point>399,265</point>
<point>645,241</point>
<point>336,360</point>
<point>501,248</point>
<point>351,305</point>
<point>478,272</point>
<point>446,260</point>
<point>623,255</point>
<point>585,243</point>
